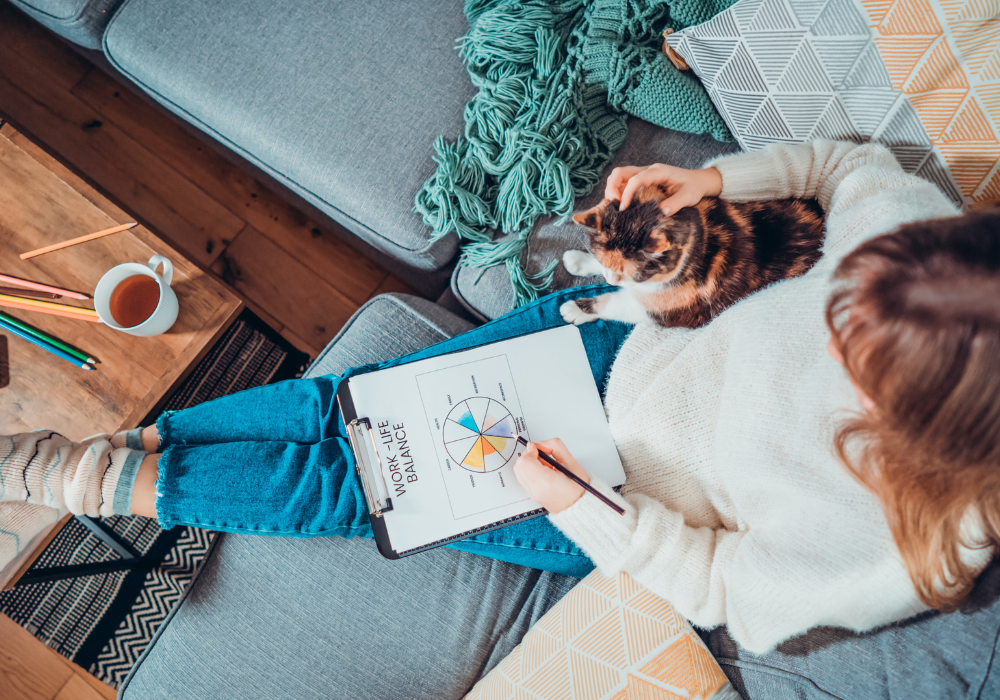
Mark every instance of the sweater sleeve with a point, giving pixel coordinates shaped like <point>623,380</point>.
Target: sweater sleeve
<point>862,188</point>
<point>757,587</point>
<point>682,564</point>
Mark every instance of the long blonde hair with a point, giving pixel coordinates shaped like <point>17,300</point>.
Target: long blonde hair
<point>917,321</point>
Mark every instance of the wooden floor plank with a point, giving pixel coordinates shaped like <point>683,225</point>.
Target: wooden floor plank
<point>77,688</point>
<point>104,691</point>
<point>29,670</point>
<point>58,64</point>
<point>300,299</point>
<point>167,202</point>
<point>180,210</point>
<point>64,173</point>
<point>391,283</point>
<point>316,245</point>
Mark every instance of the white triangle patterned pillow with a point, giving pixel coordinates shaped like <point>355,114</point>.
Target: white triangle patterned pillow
<point>920,76</point>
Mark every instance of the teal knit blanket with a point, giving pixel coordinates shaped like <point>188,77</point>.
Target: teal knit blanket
<point>556,82</point>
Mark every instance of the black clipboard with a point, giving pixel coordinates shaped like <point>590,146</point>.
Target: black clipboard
<point>369,467</point>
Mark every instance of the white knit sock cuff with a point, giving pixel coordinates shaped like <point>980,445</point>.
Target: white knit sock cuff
<point>119,480</point>
<point>131,439</point>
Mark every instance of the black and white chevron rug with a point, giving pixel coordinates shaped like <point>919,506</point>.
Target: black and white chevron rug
<point>103,623</point>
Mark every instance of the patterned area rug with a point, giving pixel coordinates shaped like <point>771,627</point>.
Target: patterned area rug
<point>103,623</point>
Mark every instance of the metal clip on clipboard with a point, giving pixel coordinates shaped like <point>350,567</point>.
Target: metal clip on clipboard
<point>359,431</point>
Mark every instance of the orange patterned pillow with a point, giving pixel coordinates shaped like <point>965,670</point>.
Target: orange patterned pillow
<point>608,639</point>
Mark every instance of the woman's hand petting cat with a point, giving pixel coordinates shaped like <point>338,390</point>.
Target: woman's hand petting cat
<point>546,486</point>
<point>684,188</point>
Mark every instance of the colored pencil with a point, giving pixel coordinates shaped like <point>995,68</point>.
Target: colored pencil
<point>28,284</point>
<point>566,472</point>
<point>42,335</point>
<point>48,305</point>
<point>74,241</point>
<point>45,346</point>
<point>29,293</point>
<point>52,312</point>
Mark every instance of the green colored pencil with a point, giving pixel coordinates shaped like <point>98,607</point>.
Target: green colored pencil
<point>42,335</point>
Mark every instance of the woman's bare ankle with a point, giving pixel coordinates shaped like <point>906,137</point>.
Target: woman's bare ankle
<point>150,439</point>
<point>144,489</point>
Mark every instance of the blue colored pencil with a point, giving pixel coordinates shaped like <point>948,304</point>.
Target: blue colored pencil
<point>45,346</point>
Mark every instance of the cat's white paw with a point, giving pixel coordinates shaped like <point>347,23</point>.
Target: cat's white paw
<point>581,263</point>
<point>572,313</point>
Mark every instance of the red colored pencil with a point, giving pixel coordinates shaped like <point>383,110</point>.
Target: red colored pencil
<point>28,284</point>
<point>29,293</point>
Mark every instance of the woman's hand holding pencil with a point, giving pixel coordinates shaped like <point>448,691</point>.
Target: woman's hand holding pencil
<point>545,484</point>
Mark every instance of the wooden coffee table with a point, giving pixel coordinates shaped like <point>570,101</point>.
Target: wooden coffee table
<point>42,202</point>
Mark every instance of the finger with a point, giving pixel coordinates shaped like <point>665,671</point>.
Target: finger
<point>556,449</point>
<point>682,198</point>
<point>617,180</point>
<point>646,177</point>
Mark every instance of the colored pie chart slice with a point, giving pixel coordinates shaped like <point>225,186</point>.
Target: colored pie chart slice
<point>504,428</point>
<point>497,444</point>
<point>478,406</point>
<point>474,460</point>
<point>455,431</point>
<point>494,461</point>
<point>460,448</point>
<point>490,419</point>
<point>465,418</point>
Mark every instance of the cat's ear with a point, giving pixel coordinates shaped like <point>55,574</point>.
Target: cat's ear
<point>593,217</point>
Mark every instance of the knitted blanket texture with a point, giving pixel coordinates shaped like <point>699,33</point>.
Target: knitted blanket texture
<point>556,83</point>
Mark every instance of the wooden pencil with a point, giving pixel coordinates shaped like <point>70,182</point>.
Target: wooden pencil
<point>50,339</point>
<point>28,284</point>
<point>47,305</point>
<point>44,345</point>
<point>74,241</point>
<point>52,312</point>
<point>29,293</point>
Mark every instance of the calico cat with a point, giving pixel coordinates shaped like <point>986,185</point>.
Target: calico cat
<point>682,270</point>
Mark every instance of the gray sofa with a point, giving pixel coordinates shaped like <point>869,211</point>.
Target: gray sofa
<point>338,103</point>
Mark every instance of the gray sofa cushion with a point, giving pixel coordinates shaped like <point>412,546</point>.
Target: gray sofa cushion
<point>338,100</point>
<point>931,657</point>
<point>80,21</point>
<point>487,293</point>
<point>330,618</point>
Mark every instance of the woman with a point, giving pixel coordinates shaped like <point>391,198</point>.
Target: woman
<point>769,487</point>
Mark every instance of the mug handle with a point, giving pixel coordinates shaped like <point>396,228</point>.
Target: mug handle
<point>168,268</point>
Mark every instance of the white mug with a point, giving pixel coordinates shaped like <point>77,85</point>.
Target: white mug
<point>163,315</point>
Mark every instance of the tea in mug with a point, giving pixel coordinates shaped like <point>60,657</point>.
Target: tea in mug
<point>134,300</point>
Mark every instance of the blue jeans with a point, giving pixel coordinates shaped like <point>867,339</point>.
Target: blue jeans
<point>275,460</point>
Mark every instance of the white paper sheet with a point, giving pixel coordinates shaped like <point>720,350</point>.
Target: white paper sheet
<point>446,430</point>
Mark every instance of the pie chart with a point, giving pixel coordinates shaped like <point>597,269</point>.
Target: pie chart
<point>480,434</point>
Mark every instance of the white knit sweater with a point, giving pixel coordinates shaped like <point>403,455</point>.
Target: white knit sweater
<point>738,511</point>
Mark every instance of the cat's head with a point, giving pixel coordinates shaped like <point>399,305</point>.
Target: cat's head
<point>640,244</point>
